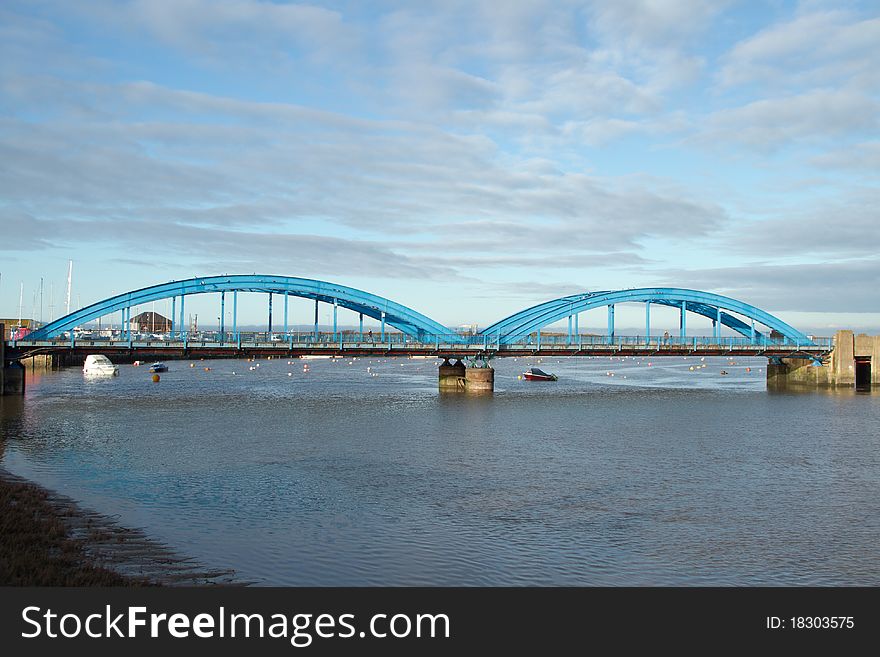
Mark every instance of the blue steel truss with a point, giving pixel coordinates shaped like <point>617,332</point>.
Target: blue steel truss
<point>714,306</point>
<point>516,328</point>
<point>405,319</point>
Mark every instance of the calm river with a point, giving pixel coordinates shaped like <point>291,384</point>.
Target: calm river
<point>361,473</point>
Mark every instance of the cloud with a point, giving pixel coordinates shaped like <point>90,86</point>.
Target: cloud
<point>824,287</point>
<point>536,65</point>
<point>229,162</point>
<point>817,116</point>
<point>231,250</point>
<point>846,225</point>
<point>439,141</point>
<point>451,258</point>
<point>600,132</point>
<point>427,87</point>
<point>21,232</point>
<point>538,62</point>
<point>585,91</point>
<point>809,80</point>
<point>864,157</point>
<point>646,23</point>
<point>230,31</point>
<point>35,44</point>
<point>535,292</point>
<point>816,49</point>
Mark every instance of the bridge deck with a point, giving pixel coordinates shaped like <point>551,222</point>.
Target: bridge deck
<point>598,347</point>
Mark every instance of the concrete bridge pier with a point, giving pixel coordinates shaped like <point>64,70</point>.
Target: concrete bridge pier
<point>459,378</point>
<point>11,373</point>
<point>854,362</point>
<point>452,377</point>
<point>479,379</point>
<point>13,379</point>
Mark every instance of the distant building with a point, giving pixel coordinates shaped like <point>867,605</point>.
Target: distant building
<point>150,322</point>
<point>14,331</point>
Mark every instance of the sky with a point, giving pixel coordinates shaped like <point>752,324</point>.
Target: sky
<point>467,159</point>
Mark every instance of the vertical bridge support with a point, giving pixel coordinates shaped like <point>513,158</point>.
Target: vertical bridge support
<point>451,377</point>
<point>479,379</point>
<point>458,378</point>
<point>11,374</point>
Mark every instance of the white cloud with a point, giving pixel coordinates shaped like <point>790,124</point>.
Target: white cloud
<point>863,158</point>
<point>653,23</point>
<point>223,30</point>
<point>827,287</point>
<point>815,49</point>
<point>278,178</point>
<point>845,225</point>
<point>813,117</point>
<point>458,136</point>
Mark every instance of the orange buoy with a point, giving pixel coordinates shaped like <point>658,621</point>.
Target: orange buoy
<point>155,378</point>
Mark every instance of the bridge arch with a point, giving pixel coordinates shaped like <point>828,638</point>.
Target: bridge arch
<point>397,315</point>
<point>716,307</point>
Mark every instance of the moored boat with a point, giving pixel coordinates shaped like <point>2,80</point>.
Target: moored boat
<point>99,365</point>
<point>158,367</point>
<point>535,374</point>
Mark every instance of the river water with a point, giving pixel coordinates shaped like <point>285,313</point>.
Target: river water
<point>359,472</point>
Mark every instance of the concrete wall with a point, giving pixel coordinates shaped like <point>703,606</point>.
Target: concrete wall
<point>839,370</point>
<point>843,362</point>
<point>875,361</point>
<point>797,371</point>
<point>40,362</point>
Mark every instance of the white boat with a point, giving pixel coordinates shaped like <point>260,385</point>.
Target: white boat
<point>99,365</point>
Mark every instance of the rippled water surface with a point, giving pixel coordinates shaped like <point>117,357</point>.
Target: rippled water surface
<point>361,473</point>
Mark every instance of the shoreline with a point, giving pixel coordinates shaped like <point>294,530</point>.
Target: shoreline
<point>48,539</point>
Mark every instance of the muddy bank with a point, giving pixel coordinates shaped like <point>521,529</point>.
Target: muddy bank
<point>47,539</point>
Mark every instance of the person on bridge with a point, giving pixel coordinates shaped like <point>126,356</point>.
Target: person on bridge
<point>370,334</point>
<point>665,337</point>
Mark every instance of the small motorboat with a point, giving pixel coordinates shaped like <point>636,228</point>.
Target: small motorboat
<point>158,367</point>
<point>99,365</point>
<point>535,374</point>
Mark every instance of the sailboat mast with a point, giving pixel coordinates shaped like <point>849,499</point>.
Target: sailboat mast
<point>69,281</point>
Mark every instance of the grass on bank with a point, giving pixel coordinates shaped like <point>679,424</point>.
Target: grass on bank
<point>36,548</point>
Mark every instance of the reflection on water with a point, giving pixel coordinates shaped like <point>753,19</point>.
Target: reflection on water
<point>624,472</point>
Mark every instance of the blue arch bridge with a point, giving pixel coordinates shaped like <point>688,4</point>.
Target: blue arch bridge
<point>404,331</point>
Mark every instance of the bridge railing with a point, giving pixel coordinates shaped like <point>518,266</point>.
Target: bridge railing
<point>445,340</point>
<point>692,341</point>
